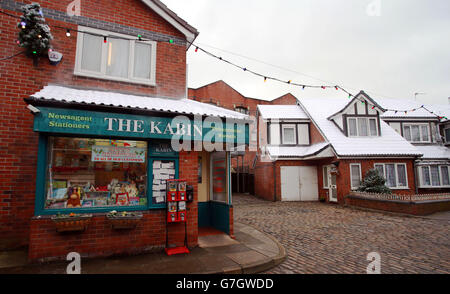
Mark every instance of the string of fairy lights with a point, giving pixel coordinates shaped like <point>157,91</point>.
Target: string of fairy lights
<point>244,68</point>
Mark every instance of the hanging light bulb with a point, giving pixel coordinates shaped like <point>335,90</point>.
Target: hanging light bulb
<point>265,79</point>
<point>68,33</point>
<point>289,81</point>
<point>39,36</point>
<point>23,24</point>
<point>196,49</point>
<point>140,37</point>
<point>104,40</point>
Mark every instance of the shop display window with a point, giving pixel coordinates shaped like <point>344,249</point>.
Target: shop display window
<point>91,173</point>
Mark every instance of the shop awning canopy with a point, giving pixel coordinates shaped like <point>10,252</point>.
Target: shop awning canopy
<point>57,93</point>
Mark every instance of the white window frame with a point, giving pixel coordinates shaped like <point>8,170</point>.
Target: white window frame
<point>351,176</point>
<point>420,125</point>
<point>325,176</point>
<point>288,126</point>
<point>397,187</point>
<point>447,140</point>
<point>102,74</point>
<point>358,131</point>
<point>421,184</point>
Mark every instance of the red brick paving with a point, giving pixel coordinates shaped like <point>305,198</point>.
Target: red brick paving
<point>326,238</point>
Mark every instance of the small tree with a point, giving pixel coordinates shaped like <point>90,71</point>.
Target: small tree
<point>374,183</point>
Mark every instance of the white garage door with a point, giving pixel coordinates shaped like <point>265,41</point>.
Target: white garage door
<point>299,183</point>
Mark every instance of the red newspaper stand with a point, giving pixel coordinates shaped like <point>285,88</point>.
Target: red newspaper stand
<point>176,212</point>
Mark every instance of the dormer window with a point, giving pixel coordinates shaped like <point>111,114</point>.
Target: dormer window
<point>416,133</point>
<point>362,127</point>
<point>289,135</point>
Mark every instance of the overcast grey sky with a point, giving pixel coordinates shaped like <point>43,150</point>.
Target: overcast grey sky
<point>392,52</point>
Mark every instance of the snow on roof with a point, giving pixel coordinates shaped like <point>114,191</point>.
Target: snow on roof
<point>390,143</point>
<point>282,112</point>
<point>440,109</point>
<point>102,98</point>
<point>404,105</point>
<point>296,151</point>
<point>434,152</point>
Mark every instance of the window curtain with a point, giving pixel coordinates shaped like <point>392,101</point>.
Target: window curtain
<point>142,54</point>
<point>401,173</point>
<point>92,53</point>
<point>426,181</point>
<point>362,127</point>
<point>356,179</point>
<point>435,181</point>
<point>117,61</point>
<point>390,175</point>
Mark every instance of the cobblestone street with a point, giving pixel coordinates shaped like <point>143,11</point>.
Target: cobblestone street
<point>326,238</point>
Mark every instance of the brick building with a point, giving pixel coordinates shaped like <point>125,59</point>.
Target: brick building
<point>223,95</point>
<point>98,136</point>
<point>322,148</point>
<point>426,129</point>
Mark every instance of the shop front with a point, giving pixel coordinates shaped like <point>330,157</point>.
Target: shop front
<point>93,164</point>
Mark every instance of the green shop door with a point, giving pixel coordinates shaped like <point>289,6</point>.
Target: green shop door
<point>214,209</point>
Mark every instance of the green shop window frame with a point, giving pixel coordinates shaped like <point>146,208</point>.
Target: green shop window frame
<point>41,174</point>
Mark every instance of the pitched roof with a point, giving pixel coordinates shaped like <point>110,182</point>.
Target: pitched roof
<point>180,24</point>
<point>390,143</point>
<point>434,152</point>
<point>282,112</point>
<point>296,151</point>
<point>403,105</point>
<point>103,98</point>
<point>358,96</point>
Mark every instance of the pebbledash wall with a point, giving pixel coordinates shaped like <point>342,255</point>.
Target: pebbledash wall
<point>19,144</point>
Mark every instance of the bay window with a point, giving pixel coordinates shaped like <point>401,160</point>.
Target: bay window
<point>362,127</point>
<point>118,57</point>
<point>434,176</point>
<point>416,133</point>
<point>395,174</point>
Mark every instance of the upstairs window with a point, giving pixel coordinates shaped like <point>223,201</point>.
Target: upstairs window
<point>362,127</point>
<point>116,59</point>
<point>416,133</point>
<point>289,135</point>
<point>447,135</point>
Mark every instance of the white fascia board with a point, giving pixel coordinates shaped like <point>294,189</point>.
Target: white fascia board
<point>189,36</point>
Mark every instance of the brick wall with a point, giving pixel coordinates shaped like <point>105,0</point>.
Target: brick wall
<point>343,178</point>
<point>418,208</point>
<point>265,178</point>
<point>221,94</point>
<point>19,79</point>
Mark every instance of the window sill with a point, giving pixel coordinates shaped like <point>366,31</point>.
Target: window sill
<point>399,188</point>
<point>97,211</point>
<point>114,79</point>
